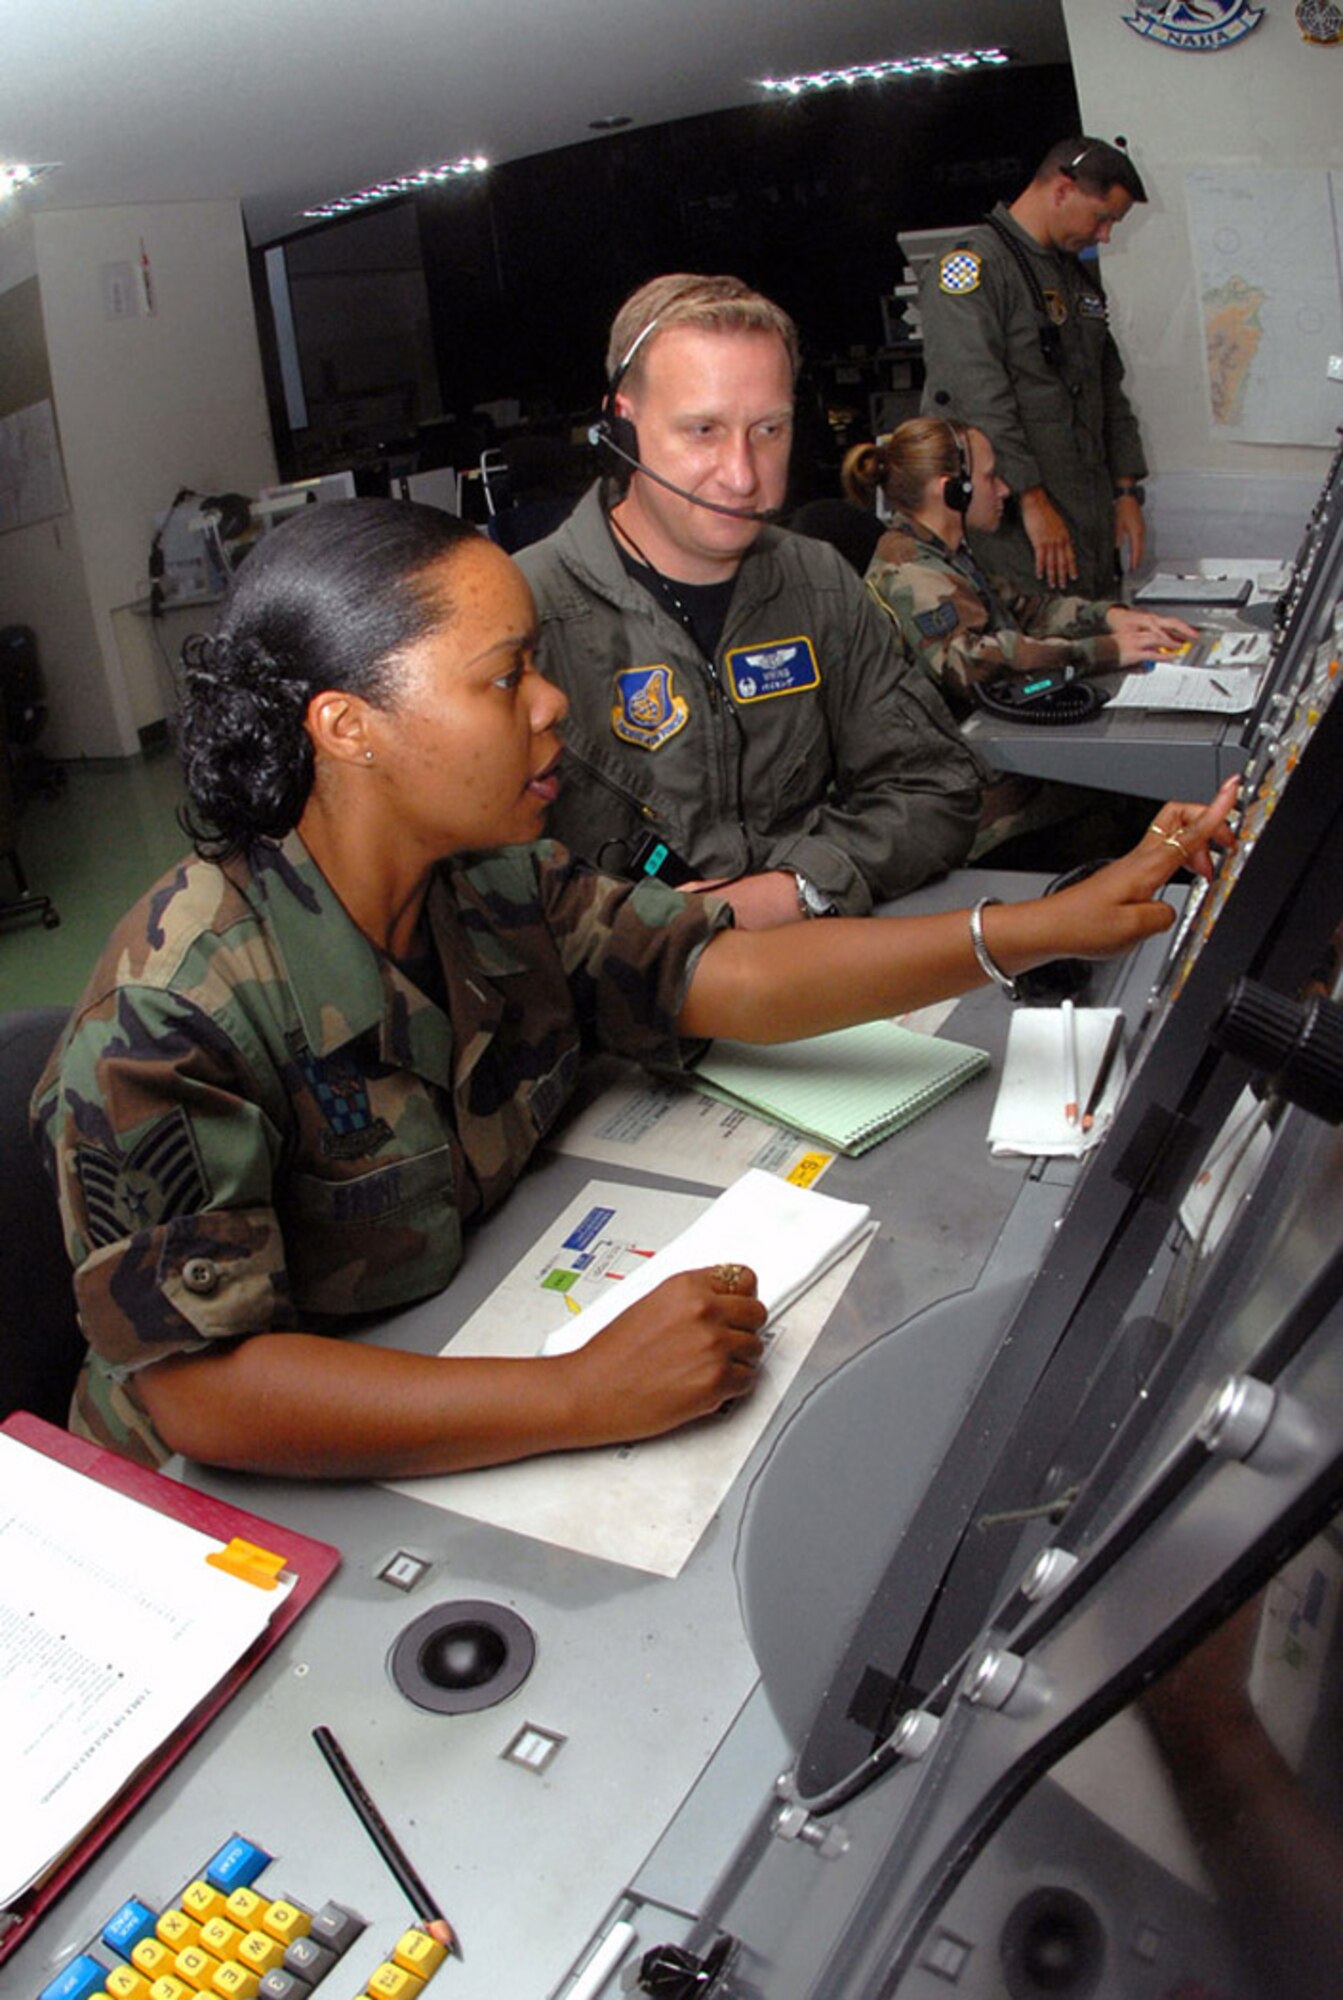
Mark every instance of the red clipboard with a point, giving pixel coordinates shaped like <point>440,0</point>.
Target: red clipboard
<point>312,1564</point>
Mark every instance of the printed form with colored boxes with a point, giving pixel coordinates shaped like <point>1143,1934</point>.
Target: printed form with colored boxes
<point>225,1938</point>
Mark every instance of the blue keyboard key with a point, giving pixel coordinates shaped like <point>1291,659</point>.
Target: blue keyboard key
<point>82,1976</point>
<point>126,1926</point>
<point>237,1865</point>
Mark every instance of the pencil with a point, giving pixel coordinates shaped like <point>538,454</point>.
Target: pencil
<point>1069,1063</point>
<point>1113,1043</point>
<point>386,1842</point>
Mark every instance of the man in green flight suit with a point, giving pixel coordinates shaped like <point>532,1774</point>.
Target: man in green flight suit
<point>1017,344</point>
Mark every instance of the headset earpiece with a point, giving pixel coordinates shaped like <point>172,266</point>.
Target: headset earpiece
<point>959,489</point>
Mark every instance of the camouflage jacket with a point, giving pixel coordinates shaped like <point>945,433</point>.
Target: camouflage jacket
<point>811,742</point>
<point>967,627</point>
<point>1067,427</point>
<point>257,1122</point>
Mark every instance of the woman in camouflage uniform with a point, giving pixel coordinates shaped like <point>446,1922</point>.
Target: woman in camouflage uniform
<point>326,1043</point>
<point>938,479</point>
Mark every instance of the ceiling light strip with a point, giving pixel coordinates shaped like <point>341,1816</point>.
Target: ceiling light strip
<point>879,72</point>
<point>16,175</point>
<point>414,183</point>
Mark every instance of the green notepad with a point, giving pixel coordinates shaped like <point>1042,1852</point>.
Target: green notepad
<point>848,1089</point>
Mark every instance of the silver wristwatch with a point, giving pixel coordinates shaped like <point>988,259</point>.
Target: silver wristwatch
<point>812,902</point>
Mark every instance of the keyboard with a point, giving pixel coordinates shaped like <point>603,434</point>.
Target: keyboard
<point>227,1935</point>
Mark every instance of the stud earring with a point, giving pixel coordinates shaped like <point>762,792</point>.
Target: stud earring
<point>368,756</point>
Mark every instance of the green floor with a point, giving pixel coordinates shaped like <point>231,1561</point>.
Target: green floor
<point>93,850</point>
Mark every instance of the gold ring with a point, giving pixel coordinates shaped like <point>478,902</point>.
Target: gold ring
<point>725,1277</point>
<point>1171,839</point>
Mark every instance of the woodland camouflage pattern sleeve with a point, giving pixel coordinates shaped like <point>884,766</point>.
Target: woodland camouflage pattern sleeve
<point>962,640</point>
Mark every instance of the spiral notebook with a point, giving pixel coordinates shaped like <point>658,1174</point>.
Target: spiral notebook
<point>849,1089</point>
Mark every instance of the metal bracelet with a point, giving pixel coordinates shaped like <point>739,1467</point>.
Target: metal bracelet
<point>988,964</point>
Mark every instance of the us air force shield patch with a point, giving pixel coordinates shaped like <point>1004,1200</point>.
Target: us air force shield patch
<point>959,272</point>
<point>756,673</point>
<point>648,711</point>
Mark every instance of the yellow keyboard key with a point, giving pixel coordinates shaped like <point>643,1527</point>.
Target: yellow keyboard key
<point>123,1982</point>
<point>259,1952</point>
<point>170,1987</point>
<point>195,1965</point>
<point>419,1953</point>
<point>202,1900</point>
<point>152,1957</point>
<point>285,1921</point>
<point>393,1982</point>
<point>221,1938</point>
<point>176,1928</point>
<point>234,1981</point>
<point>244,1906</point>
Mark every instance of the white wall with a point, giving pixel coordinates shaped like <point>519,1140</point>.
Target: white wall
<point>145,405</point>
<point>1271,100</point>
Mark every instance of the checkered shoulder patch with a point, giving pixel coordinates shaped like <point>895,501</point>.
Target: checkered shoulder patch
<point>959,272</point>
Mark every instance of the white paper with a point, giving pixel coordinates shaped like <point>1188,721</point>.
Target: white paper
<point>687,1136</point>
<point>1029,1112</point>
<point>113,1628</point>
<point>647,1504</point>
<point>1204,690</point>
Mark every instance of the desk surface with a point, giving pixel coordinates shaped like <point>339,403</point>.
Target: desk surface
<point>1152,755</point>
<point>642,1678</point>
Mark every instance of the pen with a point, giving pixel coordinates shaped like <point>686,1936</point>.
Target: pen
<point>1113,1043</point>
<point>1220,686</point>
<point>388,1846</point>
<point>1069,1014</point>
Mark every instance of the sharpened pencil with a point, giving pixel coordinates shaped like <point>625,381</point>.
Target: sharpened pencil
<point>386,1842</point>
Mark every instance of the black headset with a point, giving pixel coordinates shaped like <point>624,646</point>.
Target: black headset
<point>959,489</point>
<point>612,432</point>
<point>617,434</point>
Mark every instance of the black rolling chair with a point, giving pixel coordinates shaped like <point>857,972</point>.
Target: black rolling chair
<point>23,699</point>
<point>41,1347</point>
<point>26,903</point>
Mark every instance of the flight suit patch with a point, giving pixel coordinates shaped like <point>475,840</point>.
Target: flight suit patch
<point>959,272</point>
<point>1092,306</point>
<point>758,673</point>
<point>1057,308</point>
<point>938,622</point>
<point>648,710</point>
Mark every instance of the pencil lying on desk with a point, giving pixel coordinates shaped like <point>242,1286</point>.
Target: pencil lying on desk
<point>1069,1018</point>
<point>386,1842</point>
<point>1113,1041</point>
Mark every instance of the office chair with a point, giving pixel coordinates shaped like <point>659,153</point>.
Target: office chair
<point>23,699</point>
<point>41,1347</point>
<point>854,531</point>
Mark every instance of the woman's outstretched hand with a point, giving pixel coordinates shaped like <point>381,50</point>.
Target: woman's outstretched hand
<point>1116,907</point>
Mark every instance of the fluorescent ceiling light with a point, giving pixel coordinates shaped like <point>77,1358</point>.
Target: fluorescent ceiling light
<point>878,72</point>
<point>16,175</point>
<point>403,184</point>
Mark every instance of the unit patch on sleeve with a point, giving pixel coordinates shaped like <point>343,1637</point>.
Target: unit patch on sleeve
<point>757,673</point>
<point>959,272</point>
<point>648,711</point>
<point>936,624</point>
